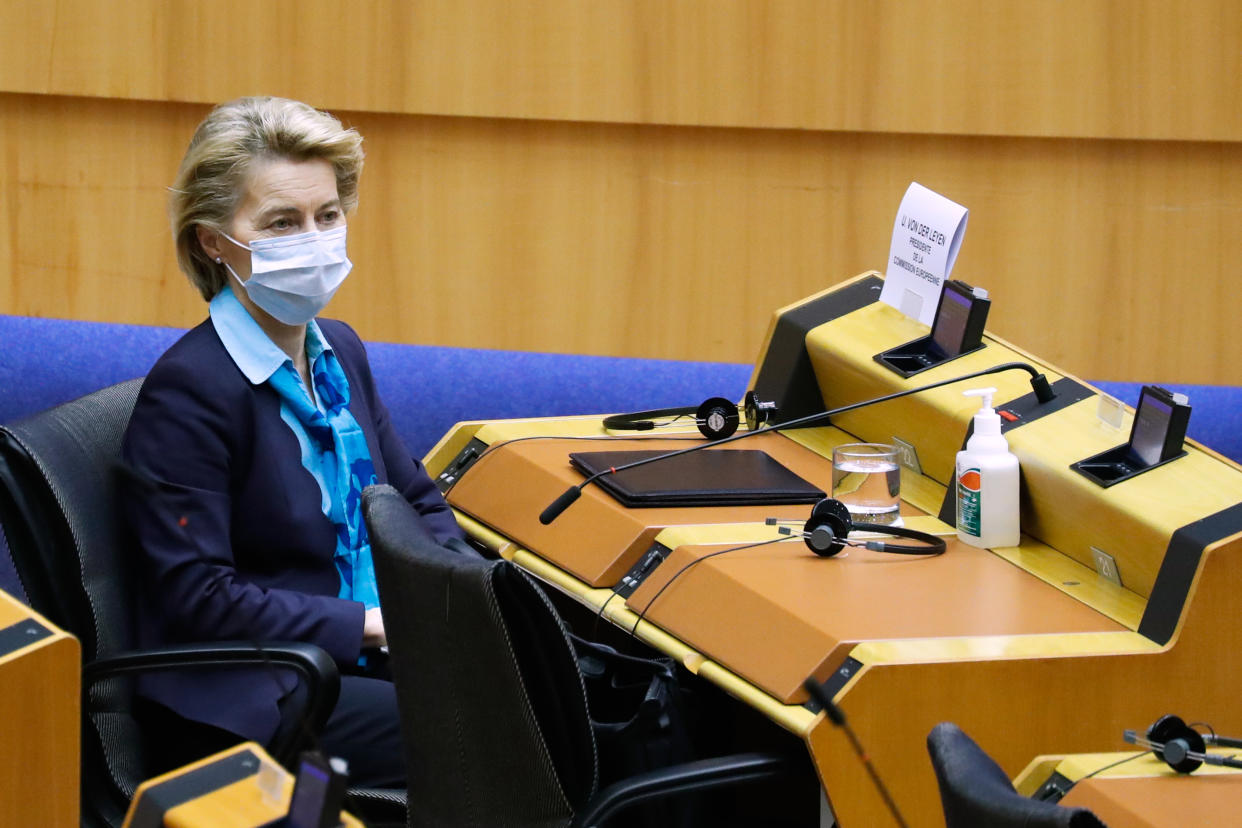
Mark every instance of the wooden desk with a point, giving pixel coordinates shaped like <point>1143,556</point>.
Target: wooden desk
<point>242,787</point>
<point>1143,792</point>
<point>40,703</point>
<point>1026,648</point>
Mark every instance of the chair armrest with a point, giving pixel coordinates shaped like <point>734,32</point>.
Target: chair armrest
<point>312,664</point>
<point>688,777</point>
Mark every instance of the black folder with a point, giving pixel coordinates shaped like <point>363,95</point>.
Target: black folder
<point>719,477</point>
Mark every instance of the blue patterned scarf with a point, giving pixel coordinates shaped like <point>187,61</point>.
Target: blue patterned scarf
<point>346,463</point>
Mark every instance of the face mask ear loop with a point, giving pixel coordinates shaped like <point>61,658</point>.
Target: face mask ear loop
<point>230,269</point>
<point>220,260</point>
<point>236,242</point>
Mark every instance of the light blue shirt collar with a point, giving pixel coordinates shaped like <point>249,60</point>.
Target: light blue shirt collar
<point>255,355</point>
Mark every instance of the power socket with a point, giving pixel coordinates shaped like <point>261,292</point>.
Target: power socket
<point>1106,566</point>
<point>907,455</point>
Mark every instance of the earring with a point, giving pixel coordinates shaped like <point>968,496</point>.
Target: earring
<point>219,260</point>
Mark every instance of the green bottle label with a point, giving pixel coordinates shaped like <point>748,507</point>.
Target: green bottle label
<point>969,501</point>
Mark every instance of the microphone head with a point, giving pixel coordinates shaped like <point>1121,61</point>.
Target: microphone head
<point>1043,391</point>
<point>559,505</point>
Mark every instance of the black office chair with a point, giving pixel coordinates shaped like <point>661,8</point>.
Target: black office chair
<point>58,481</point>
<point>493,709</point>
<point>976,793</point>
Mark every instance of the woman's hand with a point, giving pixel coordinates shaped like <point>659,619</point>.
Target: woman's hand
<point>373,629</point>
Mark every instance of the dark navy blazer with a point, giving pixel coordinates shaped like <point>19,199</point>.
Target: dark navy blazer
<point>233,542</point>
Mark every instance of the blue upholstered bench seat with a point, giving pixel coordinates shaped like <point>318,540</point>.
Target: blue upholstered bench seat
<point>44,362</point>
<point>427,388</point>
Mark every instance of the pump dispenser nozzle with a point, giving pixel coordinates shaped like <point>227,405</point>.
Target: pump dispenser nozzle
<point>987,421</point>
<point>986,393</point>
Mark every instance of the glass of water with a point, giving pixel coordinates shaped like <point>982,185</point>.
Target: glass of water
<point>866,477</point>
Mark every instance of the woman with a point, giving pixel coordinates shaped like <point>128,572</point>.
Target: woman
<point>258,430</point>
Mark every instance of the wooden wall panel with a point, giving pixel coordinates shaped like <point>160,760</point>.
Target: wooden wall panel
<point>83,232</point>
<point>1112,259</point>
<point>1167,69</point>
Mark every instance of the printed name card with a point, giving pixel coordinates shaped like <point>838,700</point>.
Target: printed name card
<point>926,237</point>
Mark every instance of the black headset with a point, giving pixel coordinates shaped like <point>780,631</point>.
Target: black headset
<point>716,418</point>
<point>1182,747</point>
<point>826,532</point>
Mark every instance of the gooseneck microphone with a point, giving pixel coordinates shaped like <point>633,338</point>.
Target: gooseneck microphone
<point>1039,384</point>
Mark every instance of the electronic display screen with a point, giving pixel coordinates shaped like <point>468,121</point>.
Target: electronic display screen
<point>1151,425</point>
<point>306,806</point>
<point>951,318</point>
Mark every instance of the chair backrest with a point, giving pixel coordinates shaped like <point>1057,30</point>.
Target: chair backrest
<point>58,502</point>
<point>975,791</point>
<point>493,709</point>
<point>61,517</point>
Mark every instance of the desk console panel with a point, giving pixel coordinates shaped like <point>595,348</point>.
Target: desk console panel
<point>1027,648</point>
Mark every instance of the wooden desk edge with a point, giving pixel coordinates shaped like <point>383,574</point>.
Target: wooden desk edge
<point>870,653</point>
<point>794,718</point>
<point>1000,647</point>
<point>1049,565</point>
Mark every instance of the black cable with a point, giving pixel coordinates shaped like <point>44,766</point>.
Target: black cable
<point>1114,764</point>
<point>667,424</point>
<point>600,614</point>
<point>1205,725</point>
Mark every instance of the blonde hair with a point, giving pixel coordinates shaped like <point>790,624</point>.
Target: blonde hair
<point>211,182</point>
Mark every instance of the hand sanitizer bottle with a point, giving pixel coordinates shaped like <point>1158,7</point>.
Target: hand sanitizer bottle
<point>987,482</point>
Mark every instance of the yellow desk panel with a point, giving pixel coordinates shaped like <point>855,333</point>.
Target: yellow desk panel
<point>40,707</point>
<point>1126,790</point>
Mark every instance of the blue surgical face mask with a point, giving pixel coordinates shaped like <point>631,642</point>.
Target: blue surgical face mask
<point>294,277</point>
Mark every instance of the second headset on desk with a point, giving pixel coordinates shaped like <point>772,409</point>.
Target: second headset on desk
<point>716,417</point>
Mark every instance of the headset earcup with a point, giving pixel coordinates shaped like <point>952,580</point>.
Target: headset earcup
<point>1176,755</point>
<point>758,413</point>
<point>831,515</point>
<point>754,417</point>
<point>717,418</point>
<point>1178,738</point>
